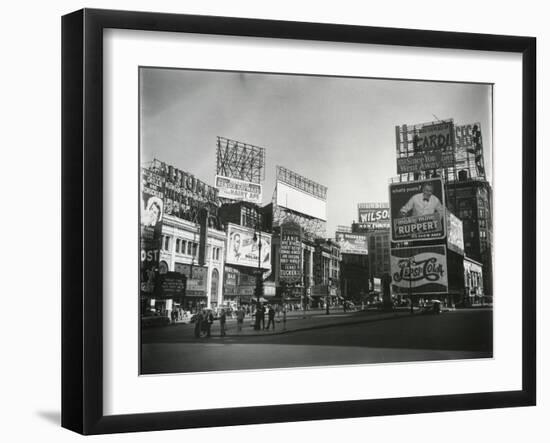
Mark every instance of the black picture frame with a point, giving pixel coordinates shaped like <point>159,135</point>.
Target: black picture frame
<point>82,215</point>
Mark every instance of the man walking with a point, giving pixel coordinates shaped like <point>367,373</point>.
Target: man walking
<point>240,319</point>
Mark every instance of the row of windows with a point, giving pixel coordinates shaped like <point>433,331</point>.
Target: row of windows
<point>186,247</point>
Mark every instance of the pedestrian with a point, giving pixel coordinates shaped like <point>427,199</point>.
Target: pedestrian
<point>262,316</point>
<point>198,324</point>
<point>222,322</point>
<point>284,318</point>
<point>271,317</point>
<point>209,321</point>
<point>240,319</point>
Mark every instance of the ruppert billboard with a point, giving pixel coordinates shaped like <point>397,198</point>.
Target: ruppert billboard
<point>417,210</point>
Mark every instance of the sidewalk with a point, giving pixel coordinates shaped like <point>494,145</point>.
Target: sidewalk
<point>300,321</point>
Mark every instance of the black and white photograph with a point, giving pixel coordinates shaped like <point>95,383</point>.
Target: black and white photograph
<point>296,221</point>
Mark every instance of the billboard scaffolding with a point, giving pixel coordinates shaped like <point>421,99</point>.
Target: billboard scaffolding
<point>300,200</point>
<point>238,160</point>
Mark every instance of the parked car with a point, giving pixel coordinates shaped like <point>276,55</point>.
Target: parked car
<point>432,307</point>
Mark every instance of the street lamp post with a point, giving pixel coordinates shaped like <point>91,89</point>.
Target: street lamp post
<point>259,281</point>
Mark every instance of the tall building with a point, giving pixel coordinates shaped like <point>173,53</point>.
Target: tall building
<point>471,201</point>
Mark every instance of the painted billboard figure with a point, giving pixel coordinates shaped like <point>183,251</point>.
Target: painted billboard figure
<point>153,212</point>
<point>423,203</point>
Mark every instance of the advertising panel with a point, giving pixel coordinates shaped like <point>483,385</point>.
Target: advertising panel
<point>374,216</point>
<point>243,249</point>
<point>196,278</point>
<point>469,144</point>
<point>434,137</point>
<point>425,161</point>
<point>300,201</point>
<point>236,189</point>
<point>455,234</point>
<point>290,253</point>
<point>172,285</point>
<point>185,195</point>
<point>423,270</point>
<point>417,210</point>
<point>151,213</point>
<point>352,243</point>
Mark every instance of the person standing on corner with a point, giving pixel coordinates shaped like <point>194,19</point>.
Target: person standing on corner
<point>240,319</point>
<point>209,321</point>
<point>271,317</point>
<point>222,323</point>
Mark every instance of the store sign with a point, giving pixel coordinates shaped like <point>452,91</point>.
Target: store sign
<point>241,190</point>
<point>422,270</point>
<point>352,243</point>
<point>455,234</point>
<point>374,216</point>
<point>244,247</point>
<point>151,214</point>
<point>290,253</point>
<point>417,210</point>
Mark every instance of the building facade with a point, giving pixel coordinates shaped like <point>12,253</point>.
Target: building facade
<point>179,253</point>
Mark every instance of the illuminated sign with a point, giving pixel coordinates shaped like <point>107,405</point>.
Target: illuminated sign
<point>244,245</point>
<point>374,216</point>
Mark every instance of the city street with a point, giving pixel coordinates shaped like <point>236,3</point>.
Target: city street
<point>340,338</point>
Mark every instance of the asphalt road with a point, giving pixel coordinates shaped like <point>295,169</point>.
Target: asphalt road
<point>461,334</point>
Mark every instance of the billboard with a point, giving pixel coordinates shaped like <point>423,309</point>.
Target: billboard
<point>151,214</point>
<point>300,194</point>
<point>455,234</point>
<point>469,147</point>
<point>300,201</point>
<point>425,161</point>
<point>172,285</point>
<point>434,137</point>
<point>374,216</point>
<point>290,253</point>
<point>417,210</point>
<point>235,189</point>
<point>243,249</point>
<point>196,278</point>
<point>422,270</point>
<point>352,243</point>
<point>185,195</point>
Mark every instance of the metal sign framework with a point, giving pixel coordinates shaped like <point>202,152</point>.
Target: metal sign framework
<point>240,160</point>
<point>463,159</point>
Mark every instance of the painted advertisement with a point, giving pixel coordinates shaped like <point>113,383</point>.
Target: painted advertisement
<point>425,161</point>
<point>244,246</point>
<point>374,216</point>
<point>434,137</point>
<point>290,253</point>
<point>455,234</point>
<point>417,210</point>
<point>352,243</point>
<point>236,189</point>
<point>151,213</point>
<point>422,270</point>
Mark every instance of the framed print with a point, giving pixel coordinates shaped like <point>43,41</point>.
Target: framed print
<point>269,221</point>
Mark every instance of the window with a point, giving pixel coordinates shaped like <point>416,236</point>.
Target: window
<point>166,243</point>
<point>189,247</point>
<point>178,242</point>
<point>217,253</point>
<point>195,247</point>
<point>183,246</point>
